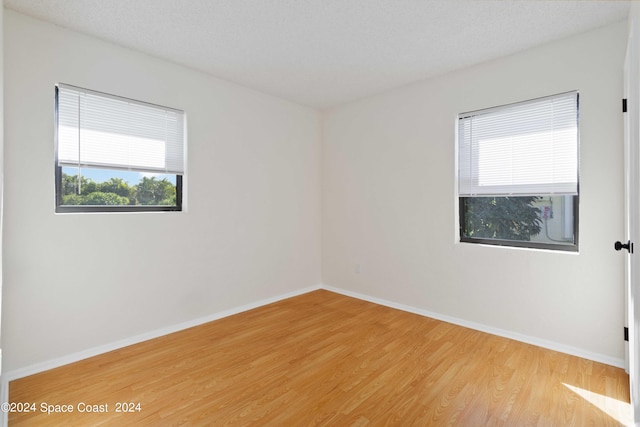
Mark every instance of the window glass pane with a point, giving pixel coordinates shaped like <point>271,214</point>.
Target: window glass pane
<point>545,220</point>
<point>99,187</point>
<point>557,215</point>
<point>116,154</point>
<point>518,173</point>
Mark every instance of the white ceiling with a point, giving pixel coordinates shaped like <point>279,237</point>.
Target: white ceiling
<point>323,53</point>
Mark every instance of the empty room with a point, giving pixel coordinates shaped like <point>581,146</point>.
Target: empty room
<point>336,213</point>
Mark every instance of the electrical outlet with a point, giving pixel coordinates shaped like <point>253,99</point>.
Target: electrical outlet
<point>357,269</point>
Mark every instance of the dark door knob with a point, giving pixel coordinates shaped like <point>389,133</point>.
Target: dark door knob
<point>628,246</point>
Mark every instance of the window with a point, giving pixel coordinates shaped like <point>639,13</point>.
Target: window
<point>518,174</point>
<point>115,154</point>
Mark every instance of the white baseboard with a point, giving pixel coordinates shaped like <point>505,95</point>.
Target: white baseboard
<point>75,357</point>
<point>85,354</point>
<point>6,377</point>
<point>551,345</point>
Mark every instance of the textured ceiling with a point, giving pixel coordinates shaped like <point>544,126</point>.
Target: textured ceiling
<point>323,53</point>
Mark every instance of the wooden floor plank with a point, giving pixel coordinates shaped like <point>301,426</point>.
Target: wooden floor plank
<point>327,359</point>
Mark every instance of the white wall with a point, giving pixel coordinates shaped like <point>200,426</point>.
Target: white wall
<point>251,230</point>
<point>1,152</point>
<point>389,202</point>
<point>252,226</point>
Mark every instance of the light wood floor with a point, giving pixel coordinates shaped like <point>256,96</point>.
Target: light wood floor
<point>326,359</point>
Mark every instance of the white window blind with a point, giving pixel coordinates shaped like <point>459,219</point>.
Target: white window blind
<point>104,131</point>
<point>528,148</point>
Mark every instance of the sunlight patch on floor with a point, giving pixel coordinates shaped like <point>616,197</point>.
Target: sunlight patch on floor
<point>616,409</point>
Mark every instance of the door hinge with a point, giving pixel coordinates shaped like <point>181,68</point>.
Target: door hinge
<point>626,333</point>
<point>624,105</point>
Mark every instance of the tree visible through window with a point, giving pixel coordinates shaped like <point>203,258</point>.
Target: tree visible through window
<point>149,191</point>
<point>510,218</point>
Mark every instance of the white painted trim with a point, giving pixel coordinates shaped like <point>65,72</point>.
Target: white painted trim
<point>4,397</point>
<point>5,378</point>
<point>75,357</point>
<point>551,345</point>
<point>94,351</point>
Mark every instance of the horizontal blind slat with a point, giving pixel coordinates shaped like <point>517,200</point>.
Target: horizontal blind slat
<point>529,148</point>
<point>100,130</point>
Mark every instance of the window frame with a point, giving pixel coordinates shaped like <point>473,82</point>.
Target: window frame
<point>60,208</point>
<point>568,247</point>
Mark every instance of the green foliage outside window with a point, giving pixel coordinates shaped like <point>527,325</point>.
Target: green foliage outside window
<point>117,192</point>
<point>508,218</point>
